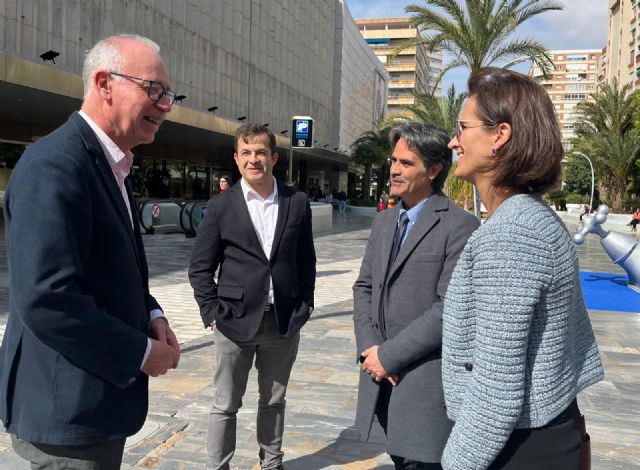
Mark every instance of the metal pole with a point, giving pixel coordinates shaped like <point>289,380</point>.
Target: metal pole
<point>290,166</point>
<point>593,177</point>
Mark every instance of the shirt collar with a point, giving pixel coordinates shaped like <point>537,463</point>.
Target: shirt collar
<point>115,155</point>
<point>414,211</point>
<point>250,193</point>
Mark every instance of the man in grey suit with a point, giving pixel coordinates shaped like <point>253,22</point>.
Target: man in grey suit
<point>398,299</point>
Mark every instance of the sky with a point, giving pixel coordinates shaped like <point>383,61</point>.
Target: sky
<point>581,25</point>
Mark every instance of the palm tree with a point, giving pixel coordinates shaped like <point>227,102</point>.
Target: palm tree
<point>478,34</point>
<point>605,130</point>
<point>372,149</point>
<point>441,110</point>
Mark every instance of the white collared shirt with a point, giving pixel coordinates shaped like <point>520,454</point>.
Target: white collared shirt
<point>117,159</point>
<point>264,215</point>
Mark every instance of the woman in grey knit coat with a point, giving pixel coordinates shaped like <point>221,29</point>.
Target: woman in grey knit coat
<point>517,342</point>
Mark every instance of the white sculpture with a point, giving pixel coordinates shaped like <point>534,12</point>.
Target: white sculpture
<point>622,249</point>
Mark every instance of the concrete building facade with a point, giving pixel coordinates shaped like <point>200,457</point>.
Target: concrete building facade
<point>261,60</point>
<point>413,70</point>
<point>622,59</point>
<point>574,79</point>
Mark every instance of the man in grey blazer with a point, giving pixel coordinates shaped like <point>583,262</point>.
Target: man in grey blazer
<point>398,299</point>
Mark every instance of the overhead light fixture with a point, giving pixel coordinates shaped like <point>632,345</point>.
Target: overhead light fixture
<point>212,109</point>
<point>266,124</point>
<point>49,55</point>
<point>284,132</point>
<point>179,98</point>
<point>241,118</point>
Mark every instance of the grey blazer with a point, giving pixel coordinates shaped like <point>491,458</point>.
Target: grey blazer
<point>411,338</point>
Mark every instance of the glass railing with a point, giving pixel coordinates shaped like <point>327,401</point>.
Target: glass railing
<point>191,215</point>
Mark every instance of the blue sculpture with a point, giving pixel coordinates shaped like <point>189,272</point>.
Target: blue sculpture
<point>622,249</point>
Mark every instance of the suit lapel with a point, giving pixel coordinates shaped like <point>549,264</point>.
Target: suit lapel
<point>427,219</point>
<point>244,219</point>
<point>106,174</point>
<point>284,198</point>
<point>388,231</point>
<point>137,237</point>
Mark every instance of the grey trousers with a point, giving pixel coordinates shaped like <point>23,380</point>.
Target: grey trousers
<point>274,358</point>
<point>102,456</point>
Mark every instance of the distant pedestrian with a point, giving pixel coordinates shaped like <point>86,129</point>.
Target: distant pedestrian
<point>635,220</point>
<point>585,211</point>
<point>223,184</point>
<point>342,202</point>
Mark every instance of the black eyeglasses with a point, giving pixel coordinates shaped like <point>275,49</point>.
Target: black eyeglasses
<point>155,90</point>
<point>462,125</point>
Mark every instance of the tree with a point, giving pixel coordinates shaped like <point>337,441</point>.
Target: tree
<point>479,34</point>
<point>576,175</point>
<point>605,131</point>
<point>372,149</point>
<point>441,110</point>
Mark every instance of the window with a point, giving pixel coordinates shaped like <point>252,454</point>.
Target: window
<point>575,96</point>
<point>577,57</point>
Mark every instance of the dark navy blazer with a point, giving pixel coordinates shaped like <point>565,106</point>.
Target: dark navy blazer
<point>80,302</point>
<point>227,239</point>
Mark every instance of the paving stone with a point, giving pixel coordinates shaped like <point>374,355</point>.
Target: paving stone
<point>321,402</point>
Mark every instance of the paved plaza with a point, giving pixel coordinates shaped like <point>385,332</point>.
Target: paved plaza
<point>322,395</point>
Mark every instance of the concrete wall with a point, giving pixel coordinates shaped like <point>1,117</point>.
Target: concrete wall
<point>264,59</point>
<point>364,82</point>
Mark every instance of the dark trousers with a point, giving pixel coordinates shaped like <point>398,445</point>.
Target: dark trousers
<point>382,409</point>
<point>102,456</point>
<point>555,446</point>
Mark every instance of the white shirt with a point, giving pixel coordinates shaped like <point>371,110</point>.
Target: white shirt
<point>120,163</point>
<point>264,215</point>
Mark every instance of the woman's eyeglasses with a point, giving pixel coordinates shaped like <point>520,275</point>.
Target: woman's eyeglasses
<point>464,124</point>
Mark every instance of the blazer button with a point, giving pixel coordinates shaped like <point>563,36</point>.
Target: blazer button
<point>468,366</point>
<point>444,406</point>
<point>265,291</point>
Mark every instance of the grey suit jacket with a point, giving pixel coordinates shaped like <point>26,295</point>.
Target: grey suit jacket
<point>410,339</point>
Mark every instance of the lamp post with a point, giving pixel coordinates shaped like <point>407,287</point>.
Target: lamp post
<point>593,177</point>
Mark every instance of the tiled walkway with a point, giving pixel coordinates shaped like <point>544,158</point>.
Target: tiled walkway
<point>322,397</point>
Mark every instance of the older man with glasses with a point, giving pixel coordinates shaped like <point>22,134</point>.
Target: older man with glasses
<point>84,333</point>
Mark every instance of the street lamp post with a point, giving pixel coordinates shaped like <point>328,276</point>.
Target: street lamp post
<point>593,177</point>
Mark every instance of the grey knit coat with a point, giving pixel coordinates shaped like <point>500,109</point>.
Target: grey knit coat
<point>517,341</point>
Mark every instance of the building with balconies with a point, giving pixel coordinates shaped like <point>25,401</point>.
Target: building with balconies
<point>574,79</point>
<point>412,70</point>
<point>623,44</point>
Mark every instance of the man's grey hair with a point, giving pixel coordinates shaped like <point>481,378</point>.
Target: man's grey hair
<point>107,54</point>
<point>430,142</point>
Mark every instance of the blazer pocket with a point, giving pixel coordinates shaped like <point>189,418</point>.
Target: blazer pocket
<point>79,397</point>
<point>230,292</point>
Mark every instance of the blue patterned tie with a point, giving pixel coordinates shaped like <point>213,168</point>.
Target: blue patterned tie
<point>401,230</point>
